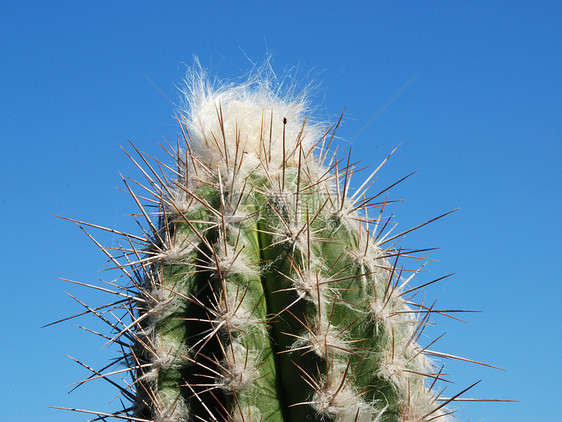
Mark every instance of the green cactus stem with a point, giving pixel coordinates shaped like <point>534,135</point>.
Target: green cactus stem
<point>262,288</point>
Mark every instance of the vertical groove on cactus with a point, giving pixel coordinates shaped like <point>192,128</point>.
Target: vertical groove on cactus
<point>261,288</point>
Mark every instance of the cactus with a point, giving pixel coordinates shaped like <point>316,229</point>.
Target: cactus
<point>262,288</point>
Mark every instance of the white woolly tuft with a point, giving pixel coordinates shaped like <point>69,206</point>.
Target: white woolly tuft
<point>322,338</point>
<point>170,409</point>
<point>231,261</point>
<point>162,304</point>
<point>338,400</point>
<point>231,311</point>
<point>421,405</point>
<point>248,414</point>
<point>239,371</point>
<point>243,123</point>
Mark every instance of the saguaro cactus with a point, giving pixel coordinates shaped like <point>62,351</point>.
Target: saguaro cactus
<point>262,288</point>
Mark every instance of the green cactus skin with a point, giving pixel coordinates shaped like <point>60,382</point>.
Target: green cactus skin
<point>265,291</point>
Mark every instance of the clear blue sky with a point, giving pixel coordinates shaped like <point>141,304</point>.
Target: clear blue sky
<point>481,123</point>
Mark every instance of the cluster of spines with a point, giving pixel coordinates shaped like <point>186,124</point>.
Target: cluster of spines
<point>267,294</point>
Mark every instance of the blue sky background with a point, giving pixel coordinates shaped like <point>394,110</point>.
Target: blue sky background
<point>481,123</point>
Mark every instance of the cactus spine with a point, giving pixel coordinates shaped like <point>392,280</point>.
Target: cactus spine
<point>262,288</point>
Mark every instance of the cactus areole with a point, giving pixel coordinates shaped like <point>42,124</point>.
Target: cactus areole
<point>262,287</point>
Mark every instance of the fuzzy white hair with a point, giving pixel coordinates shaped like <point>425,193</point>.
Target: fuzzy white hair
<point>245,124</point>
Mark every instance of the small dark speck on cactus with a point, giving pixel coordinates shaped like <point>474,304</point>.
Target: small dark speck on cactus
<point>262,287</point>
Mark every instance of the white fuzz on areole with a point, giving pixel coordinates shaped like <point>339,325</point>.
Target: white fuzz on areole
<point>167,352</point>
<point>176,252</point>
<point>323,338</point>
<point>337,399</point>
<point>162,304</point>
<point>248,414</point>
<point>393,368</point>
<point>246,125</point>
<point>405,369</point>
<point>231,311</point>
<point>384,311</point>
<point>291,233</point>
<point>180,202</point>
<point>161,358</point>
<point>170,408</point>
<point>421,405</point>
<point>230,260</point>
<point>310,285</point>
<point>239,372</point>
<point>367,254</point>
<point>233,218</point>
